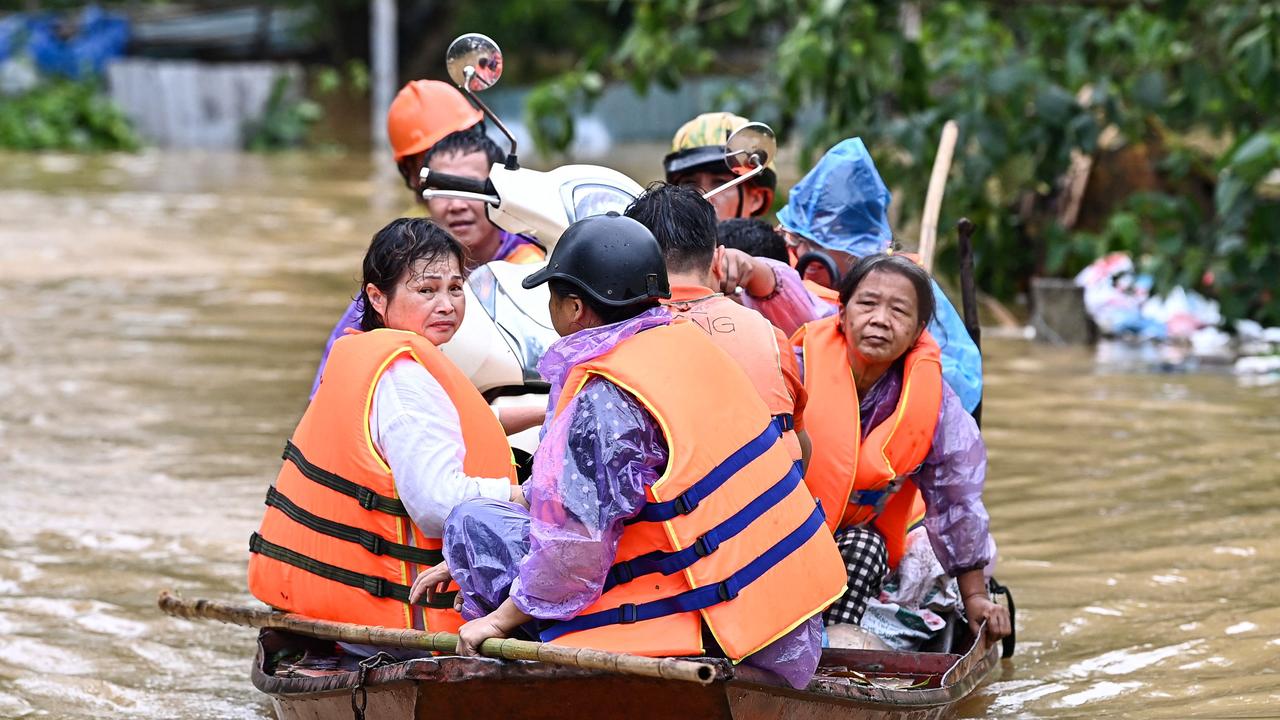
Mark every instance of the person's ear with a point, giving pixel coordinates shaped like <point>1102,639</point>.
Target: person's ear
<point>377,299</point>
<point>759,199</point>
<point>580,311</point>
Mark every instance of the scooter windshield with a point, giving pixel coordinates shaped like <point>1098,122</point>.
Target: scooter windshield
<point>589,199</point>
<point>521,315</point>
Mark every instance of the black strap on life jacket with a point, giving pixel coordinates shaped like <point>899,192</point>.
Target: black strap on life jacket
<point>370,541</point>
<point>375,586</point>
<point>368,499</point>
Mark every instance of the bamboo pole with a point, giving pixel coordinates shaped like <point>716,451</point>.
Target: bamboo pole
<point>506,649</point>
<point>933,198</point>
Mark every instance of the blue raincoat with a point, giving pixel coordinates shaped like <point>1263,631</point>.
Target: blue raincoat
<point>842,204</point>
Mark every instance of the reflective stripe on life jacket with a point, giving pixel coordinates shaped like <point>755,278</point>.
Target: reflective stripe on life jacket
<point>729,535</point>
<point>869,478</point>
<point>752,341</point>
<point>336,542</point>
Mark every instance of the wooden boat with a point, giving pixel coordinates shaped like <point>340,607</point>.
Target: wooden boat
<point>861,684</point>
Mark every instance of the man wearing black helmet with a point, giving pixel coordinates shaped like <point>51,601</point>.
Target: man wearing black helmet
<point>657,452</point>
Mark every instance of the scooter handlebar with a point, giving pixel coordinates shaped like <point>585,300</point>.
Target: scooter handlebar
<point>444,181</point>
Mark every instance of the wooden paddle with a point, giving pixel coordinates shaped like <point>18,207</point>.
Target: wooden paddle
<point>508,649</point>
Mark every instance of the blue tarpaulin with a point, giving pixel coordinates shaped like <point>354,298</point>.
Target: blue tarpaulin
<point>97,38</point>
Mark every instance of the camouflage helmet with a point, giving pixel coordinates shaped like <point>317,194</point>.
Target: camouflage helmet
<point>699,146</point>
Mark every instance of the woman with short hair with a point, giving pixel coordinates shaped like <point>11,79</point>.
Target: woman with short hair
<point>395,437</point>
<point>893,440</point>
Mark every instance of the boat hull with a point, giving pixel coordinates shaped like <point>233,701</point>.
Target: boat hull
<point>462,688</point>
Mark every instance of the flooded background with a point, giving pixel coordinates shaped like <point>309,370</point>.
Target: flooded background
<point>162,318</point>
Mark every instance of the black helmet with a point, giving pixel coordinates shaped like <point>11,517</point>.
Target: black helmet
<point>612,258</point>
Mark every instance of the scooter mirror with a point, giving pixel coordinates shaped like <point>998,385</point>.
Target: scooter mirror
<point>474,62</point>
<point>750,147</point>
<point>746,152</point>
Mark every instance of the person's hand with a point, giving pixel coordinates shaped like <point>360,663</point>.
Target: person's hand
<point>431,583</point>
<point>472,634</point>
<point>517,496</point>
<point>736,269</point>
<point>978,607</point>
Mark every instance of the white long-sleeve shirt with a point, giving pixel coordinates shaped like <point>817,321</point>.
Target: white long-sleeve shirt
<point>417,429</point>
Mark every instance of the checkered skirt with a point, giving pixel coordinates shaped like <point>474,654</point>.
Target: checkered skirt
<point>867,562</point>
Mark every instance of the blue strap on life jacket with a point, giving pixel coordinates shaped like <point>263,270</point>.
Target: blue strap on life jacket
<point>870,498</point>
<point>697,598</point>
<point>688,500</point>
<point>668,563</point>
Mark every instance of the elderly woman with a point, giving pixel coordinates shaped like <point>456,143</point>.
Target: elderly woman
<point>892,433</point>
<point>666,516</point>
<point>840,208</point>
<point>394,438</point>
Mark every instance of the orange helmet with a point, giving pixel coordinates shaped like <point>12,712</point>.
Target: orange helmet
<point>425,111</point>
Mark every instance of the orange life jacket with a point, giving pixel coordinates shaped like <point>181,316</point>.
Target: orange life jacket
<point>868,478</point>
<point>525,253</point>
<point>824,293</point>
<point>729,535</point>
<point>748,338</point>
<point>336,542</point>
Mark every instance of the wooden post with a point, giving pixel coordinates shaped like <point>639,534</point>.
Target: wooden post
<point>969,295</point>
<point>382,67</point>
<point>933,198</point>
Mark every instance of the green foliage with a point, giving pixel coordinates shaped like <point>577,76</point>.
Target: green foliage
<point>353,75</point>
<point>564,32</point>
<point>285,123</point>
<point>64,115</point>
<point>1028,83</point>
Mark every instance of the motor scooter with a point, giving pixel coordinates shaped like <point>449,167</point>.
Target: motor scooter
<point>507,328</point>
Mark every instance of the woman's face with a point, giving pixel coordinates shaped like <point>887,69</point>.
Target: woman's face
<point>428,300</point>
<point>881,321</point>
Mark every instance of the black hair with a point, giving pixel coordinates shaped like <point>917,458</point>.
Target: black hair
<point>900,265</point>
<point>609,314</point>
<point>681,221</point>
<point>396,248</point>
<point>465,142</point>
<point>752,236</point>
<point>472,139</point>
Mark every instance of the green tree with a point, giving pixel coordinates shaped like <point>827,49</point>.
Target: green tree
<point>1028,83</point>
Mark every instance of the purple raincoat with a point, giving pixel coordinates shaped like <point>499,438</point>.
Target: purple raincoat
<point>790,305</point>
<point>593,466</point>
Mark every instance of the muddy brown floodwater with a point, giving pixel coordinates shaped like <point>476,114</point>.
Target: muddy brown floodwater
<point>162,318</point>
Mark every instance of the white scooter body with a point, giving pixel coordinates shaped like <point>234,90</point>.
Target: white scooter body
<point>506,328</point>
<point>543,204</point>
<point>504,331</point>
